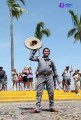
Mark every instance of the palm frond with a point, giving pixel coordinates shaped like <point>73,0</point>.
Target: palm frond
<point>41,24</point>
<point>71,32</point>
<point>76,32</point>
<point>40,36</point>
<point>19,9</point>
<point>46,32</point>
<point>10,3</point>
<point>38,29</point>
<point>16,8</point>
<point>16,12</point>
<point>74,18</point>
<point>22,1</point>
<point>79,27</point>
<point>77,37</point>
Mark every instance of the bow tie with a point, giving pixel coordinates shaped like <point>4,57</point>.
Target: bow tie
<point>46,59</point>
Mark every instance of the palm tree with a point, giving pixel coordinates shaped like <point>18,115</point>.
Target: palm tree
<point>76,31</point>
<point>15,11</point>
<point>40,31</point>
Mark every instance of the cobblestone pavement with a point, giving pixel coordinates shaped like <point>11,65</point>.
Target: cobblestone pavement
<point>68,110</point>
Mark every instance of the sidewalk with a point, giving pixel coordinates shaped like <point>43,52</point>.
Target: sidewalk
<point>30,96</point>
<point>68,110</point>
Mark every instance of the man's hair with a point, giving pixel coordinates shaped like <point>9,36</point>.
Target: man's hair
<point>45,49</point>
<point>67,67</point>
<point>1,68</point>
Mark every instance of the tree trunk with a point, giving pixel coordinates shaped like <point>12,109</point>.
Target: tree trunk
<point>12,41</point>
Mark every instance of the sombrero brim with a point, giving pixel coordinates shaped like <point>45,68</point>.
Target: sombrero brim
<point>36,46</point>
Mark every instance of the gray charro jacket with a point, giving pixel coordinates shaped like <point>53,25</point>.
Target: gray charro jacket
<point>45,66</point>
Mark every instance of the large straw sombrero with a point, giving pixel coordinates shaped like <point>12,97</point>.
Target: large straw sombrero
<point>33,43</point>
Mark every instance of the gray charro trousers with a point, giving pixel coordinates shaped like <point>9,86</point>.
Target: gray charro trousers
<point>41,81</point>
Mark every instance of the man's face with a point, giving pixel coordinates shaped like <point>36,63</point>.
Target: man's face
<point>46,52</point>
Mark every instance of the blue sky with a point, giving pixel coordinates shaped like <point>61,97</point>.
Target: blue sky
<point>58,20</point>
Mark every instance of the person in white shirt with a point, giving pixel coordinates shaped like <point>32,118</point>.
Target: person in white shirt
<point>76,82</point>
<point>66,79</point>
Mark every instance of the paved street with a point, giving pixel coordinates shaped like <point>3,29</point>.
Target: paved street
<point>68,110</point>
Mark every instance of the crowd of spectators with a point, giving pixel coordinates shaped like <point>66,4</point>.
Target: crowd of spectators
<point>24,80</point>
<point>67,76</point>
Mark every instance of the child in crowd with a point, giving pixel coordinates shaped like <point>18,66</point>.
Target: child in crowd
<point>20,81</point>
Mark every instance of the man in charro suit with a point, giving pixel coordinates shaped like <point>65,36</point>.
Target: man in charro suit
<point>45,77</point>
